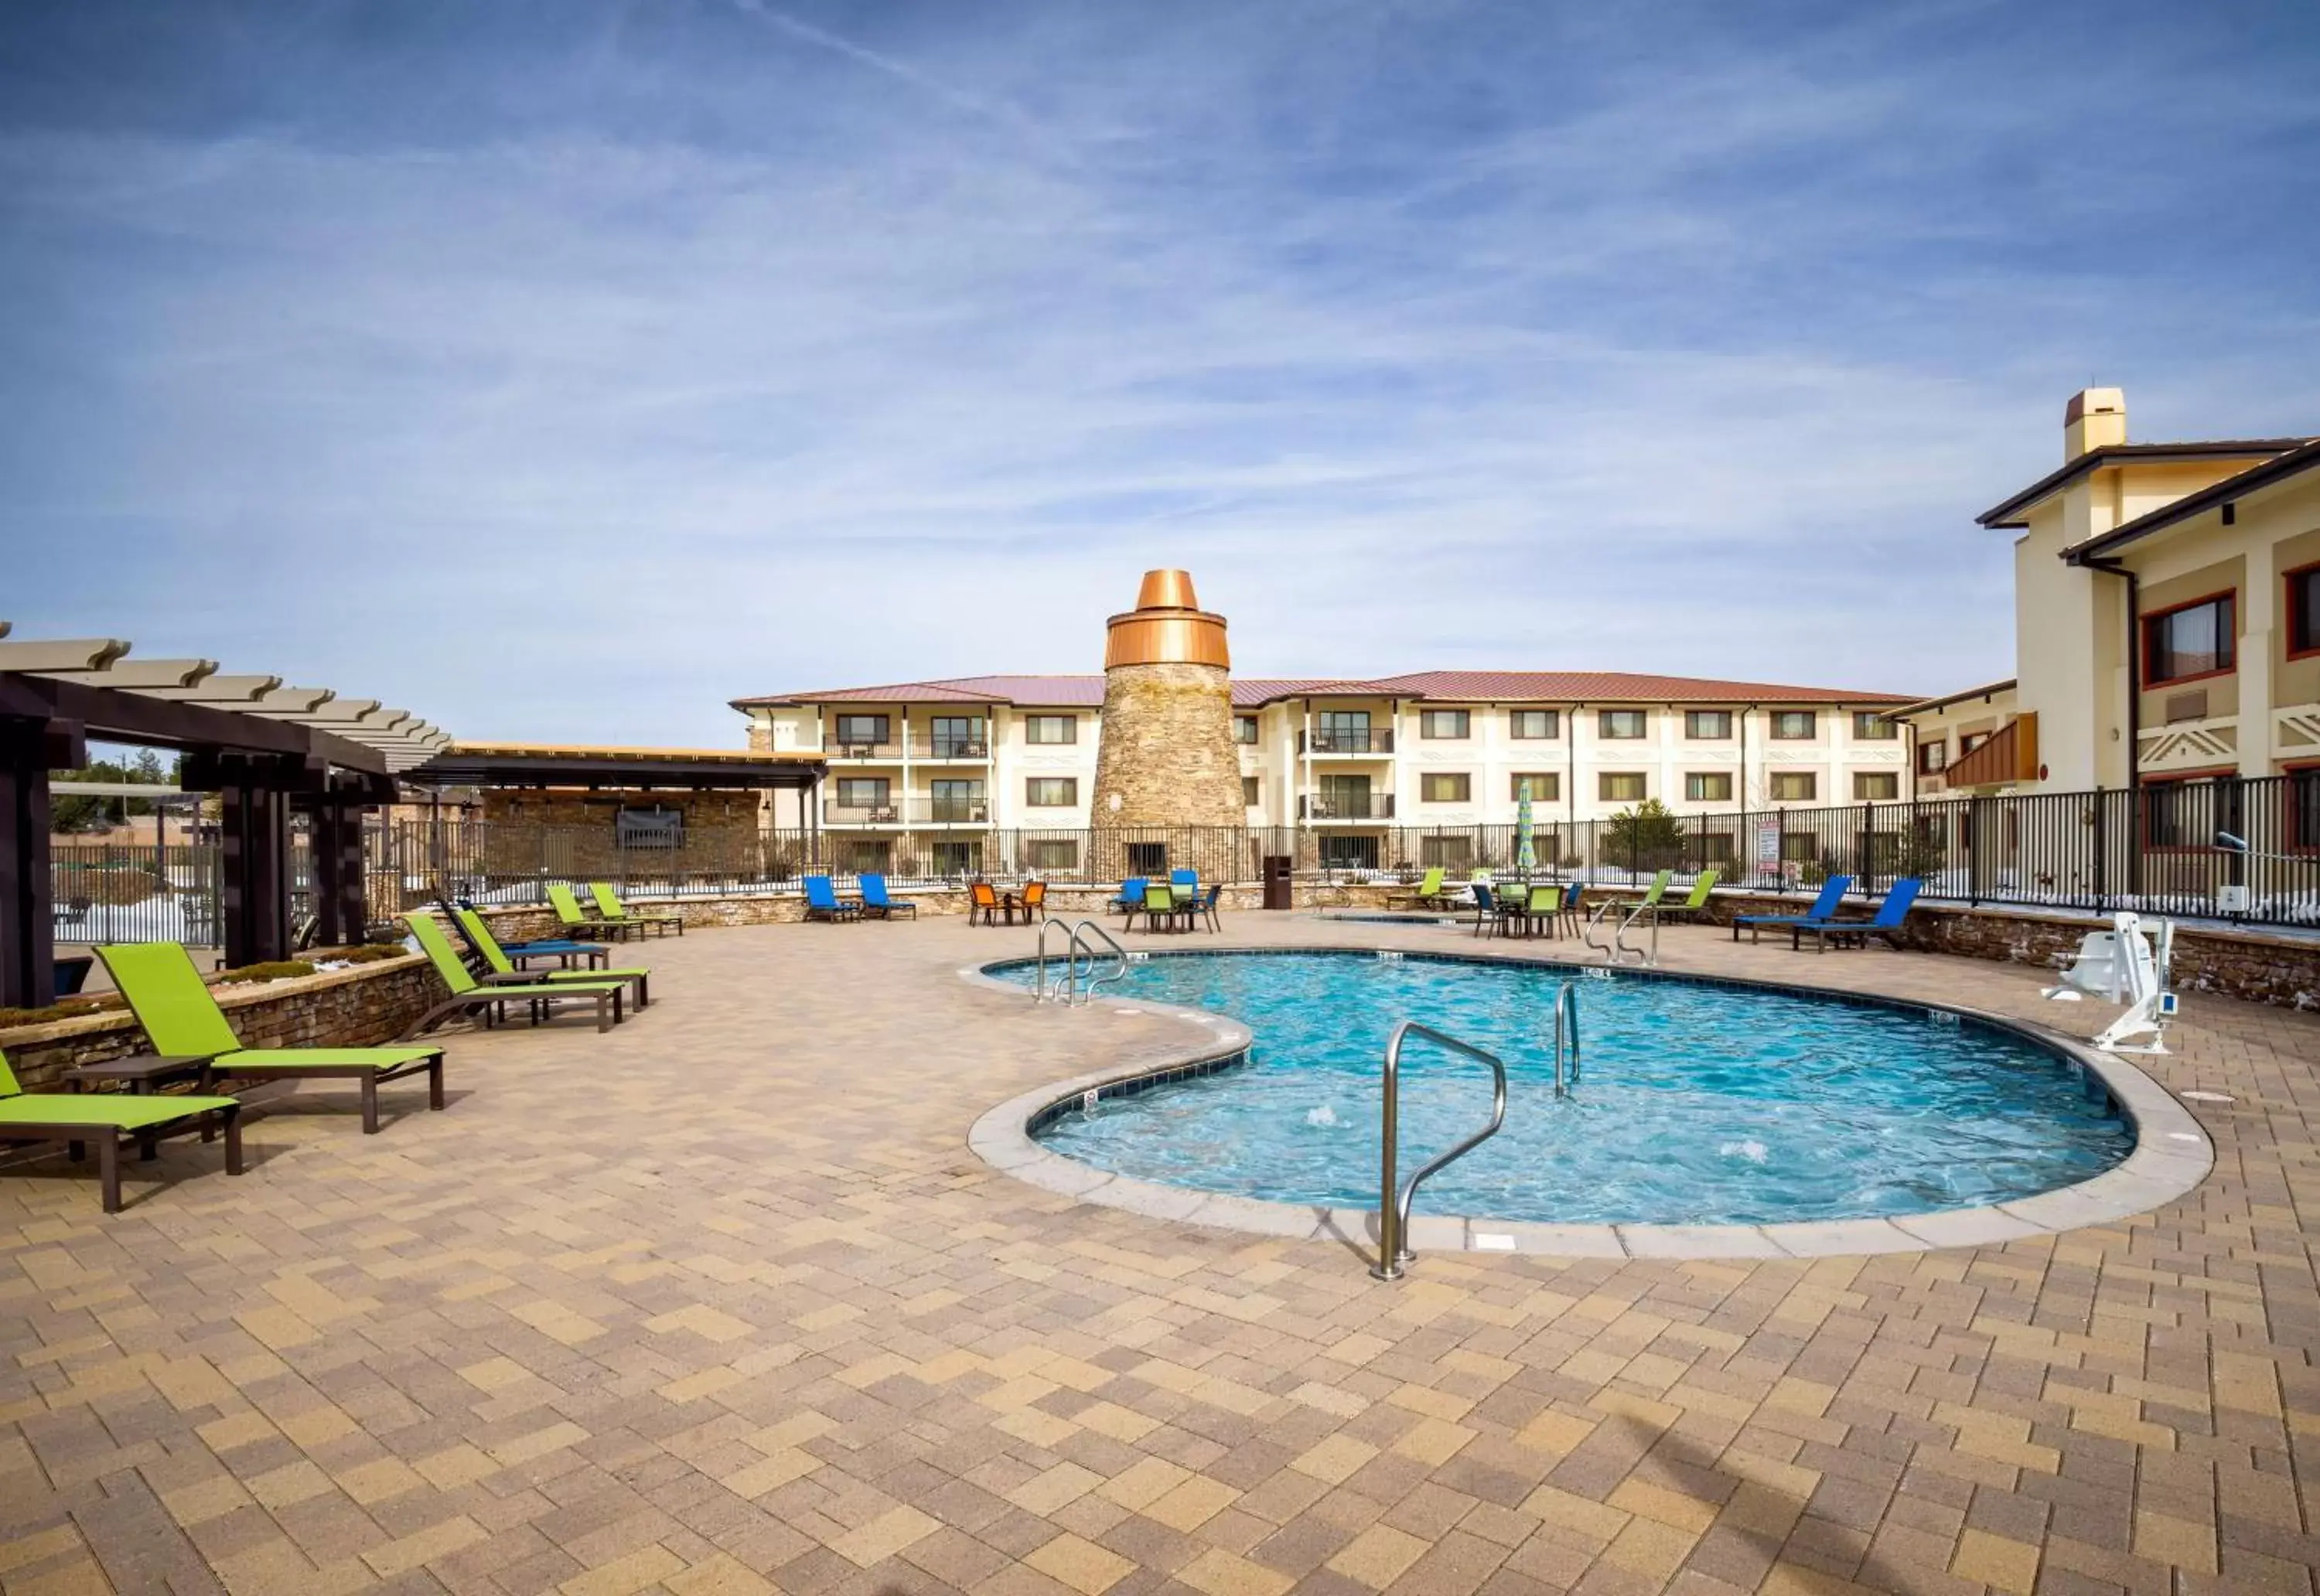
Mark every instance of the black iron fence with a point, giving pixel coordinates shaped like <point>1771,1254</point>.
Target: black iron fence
<point>2154,849</point>
<point>126,892</point>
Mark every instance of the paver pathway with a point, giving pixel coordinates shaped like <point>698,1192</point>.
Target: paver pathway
<point>721,1302</point>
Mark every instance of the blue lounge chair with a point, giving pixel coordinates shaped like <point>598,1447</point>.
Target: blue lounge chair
<point>877,905</point>
<point>1130,901</point>
<point>1824,908</point>
<point>1856,933</point>
<point>822,902</point>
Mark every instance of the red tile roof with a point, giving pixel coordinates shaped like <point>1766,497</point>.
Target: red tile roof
<point>1452,686</point>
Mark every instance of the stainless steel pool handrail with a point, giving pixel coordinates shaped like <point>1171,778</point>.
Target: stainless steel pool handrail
<point>1566,1001</point>
<point>1394,1206</point>
<point>1039,980</point>
<point>1620,937</point>
<point>1119,971</point>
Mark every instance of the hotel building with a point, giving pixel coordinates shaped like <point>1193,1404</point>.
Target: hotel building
<point>1350,760</point>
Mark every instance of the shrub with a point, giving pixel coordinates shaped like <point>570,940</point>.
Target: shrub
<point>1646,836</point>
<point>277,970</point>
<point>62,1009</point>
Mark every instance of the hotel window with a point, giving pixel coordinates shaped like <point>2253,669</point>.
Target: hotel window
<point>1872,786</point>
<point>956,800</point>
<point>1344,731</point>
<point>864,792</point>
<point>1970,741</point>
<point>1051,728</point>
<point>1619,723</point>
<point>1545,787</point>
<point>1794,786</point>
<point>2189,810</point>
<point>1052,853</point>
<point>1709,786</point>
<point>1249,790</point>
<point>957,737</point>
<point>1051,792</point>
<point>1438,786</point>
<point>1452,853</point>
<point>1444,725</point>
<point>2194,639</point>
<point>1869,726</point>
<point>1532,725</point>
<point>2304,611</point>
<point>1795,725</point>
<point>1620,787</point>
<point>1708,725</point>
<point>1244,730</point>
<point>862,731</point>
<point>1933,757</point>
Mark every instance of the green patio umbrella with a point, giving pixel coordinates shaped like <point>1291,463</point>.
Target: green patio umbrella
<point>1526,854</point>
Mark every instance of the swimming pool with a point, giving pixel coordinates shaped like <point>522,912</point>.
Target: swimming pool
<point>1700,1102</point>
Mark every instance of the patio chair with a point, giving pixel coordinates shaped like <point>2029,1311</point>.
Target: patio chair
<point>1427,895</point>
<point>1184,880</point>
<point>1034,900</point>
<point>1541,907</point>
<point>1636,910</point>
<point>1205,905</point>
<point>1130,902</point>
<point>1571,895</point>
<point>182,1018</point>
<point>1824,908</point>
<point>1160,904</point>
<point>822,902</point>
<point>1489,907</point>
<point>877,905</point>
<point>560,949</point>
<point>569,914</point>
<point>469,995</point>
<point>982,899</point>
<point>1855,933</point>
<point>610,906</point>
<point>1693,905</point>
<point>500,968</point>
<point>110,1120</point>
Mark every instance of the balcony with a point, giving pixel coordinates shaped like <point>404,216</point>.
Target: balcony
<point>1345,806</point>
<point>956,748</point>
<point>1324,740</point>
<point>884,752</point>
<point>919,811</point>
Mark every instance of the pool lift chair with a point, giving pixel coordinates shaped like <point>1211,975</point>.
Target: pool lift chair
<point>2128,964</point>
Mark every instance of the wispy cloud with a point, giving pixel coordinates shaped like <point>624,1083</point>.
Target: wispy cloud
<point>804,344</point>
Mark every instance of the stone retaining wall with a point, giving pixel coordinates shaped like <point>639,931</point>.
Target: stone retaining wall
<point>356,1008</point>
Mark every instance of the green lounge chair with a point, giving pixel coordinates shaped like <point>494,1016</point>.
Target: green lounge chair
<point>502,971</point>
<point>1692,905</point>
<point>1428,895</point>
<point>469,994</point>
<point>610,907</point>
<point>181,1017</point>
<point>109,1118</point>
<point>574,919</point>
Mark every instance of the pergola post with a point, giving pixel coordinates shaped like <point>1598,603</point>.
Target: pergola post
<point>254,837</point>
<point>28,969</point>
<point>341,913</point>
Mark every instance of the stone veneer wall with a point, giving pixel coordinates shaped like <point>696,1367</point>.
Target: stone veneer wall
<point>575,835</point>
<point>1167,747</point>
<point>358,1008</point>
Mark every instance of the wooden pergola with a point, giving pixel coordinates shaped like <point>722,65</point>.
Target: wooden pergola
<point>265,749</point>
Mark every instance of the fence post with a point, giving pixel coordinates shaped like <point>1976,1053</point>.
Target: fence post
<point>2098,813</point>
<point>1867,846</point>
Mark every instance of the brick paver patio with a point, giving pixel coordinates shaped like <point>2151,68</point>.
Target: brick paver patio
<point>723,1303</point>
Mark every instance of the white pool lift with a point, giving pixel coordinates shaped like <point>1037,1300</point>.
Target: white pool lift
<point>2128,964</point>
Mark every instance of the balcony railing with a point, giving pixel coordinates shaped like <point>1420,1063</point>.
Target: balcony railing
<point>959,748</point>
<point>865,750</point>
<point>1345,806</point>
<point>1323,740</point>
<point>918,810</point>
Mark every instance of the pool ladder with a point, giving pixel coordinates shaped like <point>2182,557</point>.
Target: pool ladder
<point>1566,1003</point>
<point>1619,942</point>
<point>1393,1204</point>
<point>1080,941</point>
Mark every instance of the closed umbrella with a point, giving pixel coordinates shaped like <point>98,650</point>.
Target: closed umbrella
<point>1526,853</point>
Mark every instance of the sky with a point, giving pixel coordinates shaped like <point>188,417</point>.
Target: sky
<point>562,369</point>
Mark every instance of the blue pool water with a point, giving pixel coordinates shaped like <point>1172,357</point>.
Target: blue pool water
<point>1698,1103</point>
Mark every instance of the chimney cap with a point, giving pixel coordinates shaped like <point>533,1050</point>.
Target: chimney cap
<point>1168,626</point>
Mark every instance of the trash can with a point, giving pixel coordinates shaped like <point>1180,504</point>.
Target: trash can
<point>1276,880</point>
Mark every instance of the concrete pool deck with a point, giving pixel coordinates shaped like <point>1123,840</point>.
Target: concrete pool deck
<point>723,1303</point>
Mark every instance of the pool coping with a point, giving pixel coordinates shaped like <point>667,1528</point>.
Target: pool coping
<point>2171,1155</point>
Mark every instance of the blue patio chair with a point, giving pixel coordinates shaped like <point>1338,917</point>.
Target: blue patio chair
<point>1488,908</point>
<point>1855,933</point>
<point>1206,903</point>
<point>1184,880</point>
<point>877,905</point>
<point>1824,908</point>
<point>1130,901</point>
<point>560,949</point>
<point>822,902</point>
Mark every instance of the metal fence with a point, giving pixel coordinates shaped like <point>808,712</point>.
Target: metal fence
<point>107,891</point>
<point>2153,848</point>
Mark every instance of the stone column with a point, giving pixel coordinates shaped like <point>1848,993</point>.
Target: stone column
<point>1166,762</point>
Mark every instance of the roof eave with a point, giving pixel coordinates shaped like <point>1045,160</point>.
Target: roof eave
<point>2281,467</point>
<point>2011,513</point>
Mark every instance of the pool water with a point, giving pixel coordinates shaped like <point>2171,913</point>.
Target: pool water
<point>1698,1102</point>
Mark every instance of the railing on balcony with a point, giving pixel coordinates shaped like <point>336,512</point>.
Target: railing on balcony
<point>959,748</point>
<point>1323,740</point>
<point>1345,806</point>
<point>865,750</point>
<point>914,811</point>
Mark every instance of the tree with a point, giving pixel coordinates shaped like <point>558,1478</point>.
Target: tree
<point>69,812</point>
<point>1645,837</point>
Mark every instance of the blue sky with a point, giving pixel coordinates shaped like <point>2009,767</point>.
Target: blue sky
<point>563,369</point>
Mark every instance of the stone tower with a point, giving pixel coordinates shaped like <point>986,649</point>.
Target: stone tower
<point>1166,757</point>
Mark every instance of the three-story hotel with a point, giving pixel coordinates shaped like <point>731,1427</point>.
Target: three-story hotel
<point>1350,760</point>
